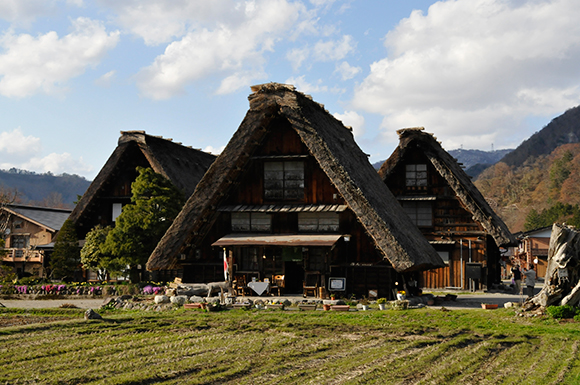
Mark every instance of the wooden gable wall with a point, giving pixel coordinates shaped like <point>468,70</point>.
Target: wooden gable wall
<point>451,222</point>
<point>117,189</point>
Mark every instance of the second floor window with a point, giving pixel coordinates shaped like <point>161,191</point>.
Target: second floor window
<point>416,175</point>
<point>284,180</point>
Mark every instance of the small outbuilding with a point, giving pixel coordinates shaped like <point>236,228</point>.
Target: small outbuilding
<point>293,201</point>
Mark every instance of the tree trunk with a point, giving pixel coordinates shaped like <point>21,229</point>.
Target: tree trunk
<point>562,284</point>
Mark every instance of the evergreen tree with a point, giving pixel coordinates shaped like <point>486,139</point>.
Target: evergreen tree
<point>65,258</point>
<point>155,204</point>
<point>93,255</point>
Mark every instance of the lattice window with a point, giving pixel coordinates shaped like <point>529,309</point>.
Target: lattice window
<point>416,175</point>
<point>284,180</point>
<point>420,212</point>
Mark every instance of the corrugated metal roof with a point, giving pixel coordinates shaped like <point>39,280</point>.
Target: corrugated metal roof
<point>283,208</point>
<point>48,217</point>
<point>278,240</point>
<point>416,198</point>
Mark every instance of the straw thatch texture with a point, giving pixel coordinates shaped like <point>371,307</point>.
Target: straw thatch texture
<point>184,166</point>
<point>333,146</point>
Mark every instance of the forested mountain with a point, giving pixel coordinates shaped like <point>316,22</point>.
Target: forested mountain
<point>60,191</point>
<point>561,130</point>
<point>538,184</point>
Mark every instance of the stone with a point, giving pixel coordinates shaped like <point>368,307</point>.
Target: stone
<point>196,299</point>
<point>91,314</point>
<point>161,299</point>
<point>178,299</point>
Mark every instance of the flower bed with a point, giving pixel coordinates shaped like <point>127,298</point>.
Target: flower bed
<point>81,289</point>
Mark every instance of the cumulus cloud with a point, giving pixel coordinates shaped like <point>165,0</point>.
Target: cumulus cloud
<point>44,63</point>
<point>21,151</point>
<point>354,120</point>
<point>233,44</point>
<point>476,67</point>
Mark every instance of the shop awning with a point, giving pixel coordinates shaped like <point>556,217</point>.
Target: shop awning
<point>278,240</point>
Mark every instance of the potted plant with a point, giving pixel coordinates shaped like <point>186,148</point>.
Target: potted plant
<point>382,302</point>
<point>364,304</point>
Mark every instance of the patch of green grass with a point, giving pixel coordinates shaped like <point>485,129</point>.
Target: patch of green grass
<point>282,347</point>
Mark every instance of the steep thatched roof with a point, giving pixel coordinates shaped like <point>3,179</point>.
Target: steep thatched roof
<point>183,166</point>
<point>460,182</point>
<point>334,148</point>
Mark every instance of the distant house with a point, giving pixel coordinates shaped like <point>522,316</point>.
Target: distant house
<point>292,199</point>
<point>453,216</point>
<point>533,249</point>
<point>111,189</point>
<point>30,233</point>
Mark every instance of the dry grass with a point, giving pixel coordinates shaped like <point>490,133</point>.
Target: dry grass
<point>285,347</point>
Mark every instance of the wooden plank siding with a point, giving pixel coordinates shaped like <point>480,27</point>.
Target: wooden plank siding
<point>451,223</point>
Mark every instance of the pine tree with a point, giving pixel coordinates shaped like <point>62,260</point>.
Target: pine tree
<point>155,203</point>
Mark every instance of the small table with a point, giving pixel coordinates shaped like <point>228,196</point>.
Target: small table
<point>259,287</point>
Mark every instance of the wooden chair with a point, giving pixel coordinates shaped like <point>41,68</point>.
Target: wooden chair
<point>240,285</point>
<point>310,284</point>
<point>277,284</point>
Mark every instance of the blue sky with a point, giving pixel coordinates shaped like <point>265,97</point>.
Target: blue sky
<point>476,73</point>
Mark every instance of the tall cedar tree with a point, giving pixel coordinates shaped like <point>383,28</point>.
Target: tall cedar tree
<point>66,257</point>
<point>155,204</point>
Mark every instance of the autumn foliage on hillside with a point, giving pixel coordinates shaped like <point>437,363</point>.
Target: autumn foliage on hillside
<point>539,184</point>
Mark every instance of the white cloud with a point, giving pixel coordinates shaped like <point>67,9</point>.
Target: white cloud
<point>347,71</point>
<point>333,50</point>
<point>24,11</point>
<point>234,44</point>
<point>471,71</point>
<point>214,150</point>
<point>106,79</point>
<point>57,164</point>
<point>14,144</point>
<point>21,151</point>
<point>44,63</point>
<point>303,86</point>
<point>354,120</point>
<point>297,56</point>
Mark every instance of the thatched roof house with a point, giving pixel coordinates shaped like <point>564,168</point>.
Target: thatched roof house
<point>430,183</point>
<point>184,166</point>
<point>278,109</point>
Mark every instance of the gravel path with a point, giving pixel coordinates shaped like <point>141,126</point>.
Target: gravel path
<point>52,303</point>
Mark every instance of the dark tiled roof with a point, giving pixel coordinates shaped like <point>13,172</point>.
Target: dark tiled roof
<point>47,217</point>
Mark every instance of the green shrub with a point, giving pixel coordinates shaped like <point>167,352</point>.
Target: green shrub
<point>559,312</point>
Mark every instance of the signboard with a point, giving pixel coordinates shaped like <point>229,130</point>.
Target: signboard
<point>336,284</point>
<point>473,270</point>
